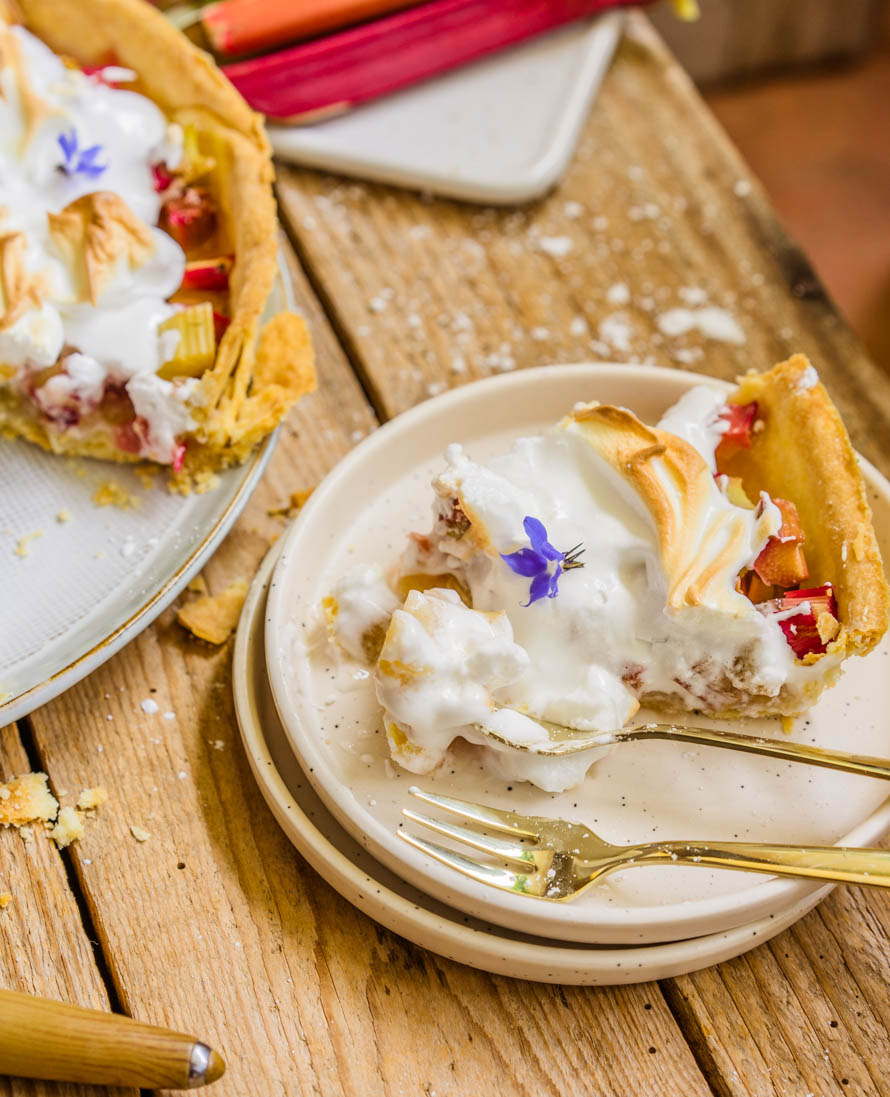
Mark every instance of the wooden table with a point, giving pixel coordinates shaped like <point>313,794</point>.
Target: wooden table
<point>215,925</point>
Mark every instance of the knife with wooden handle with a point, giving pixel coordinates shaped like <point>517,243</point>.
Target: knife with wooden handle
<point>59,1042</point>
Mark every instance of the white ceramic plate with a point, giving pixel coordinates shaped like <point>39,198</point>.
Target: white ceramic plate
<point>383,896</point>
<point>500,130</point>
<point>90,584</point>
<point>656,790</point>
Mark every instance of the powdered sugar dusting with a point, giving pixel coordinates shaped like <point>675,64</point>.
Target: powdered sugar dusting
<point>712,322</point>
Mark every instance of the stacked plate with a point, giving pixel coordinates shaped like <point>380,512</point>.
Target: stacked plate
<point>313,734</point>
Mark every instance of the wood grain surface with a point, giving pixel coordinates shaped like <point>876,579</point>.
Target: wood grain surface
<point>214,925</point>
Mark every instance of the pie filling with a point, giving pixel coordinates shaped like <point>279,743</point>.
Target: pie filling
<point>592,569</point>
<point>112,290</point>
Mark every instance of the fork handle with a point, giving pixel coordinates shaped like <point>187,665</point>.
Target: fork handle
<point>839,864</point>
<point>773,748</point>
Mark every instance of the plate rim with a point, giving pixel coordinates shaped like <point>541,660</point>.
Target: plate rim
<point>763,894</point>
<point>541,960</point>
<point>22,704</point>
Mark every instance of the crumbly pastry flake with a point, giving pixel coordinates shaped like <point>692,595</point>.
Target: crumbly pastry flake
<point>214,617</point>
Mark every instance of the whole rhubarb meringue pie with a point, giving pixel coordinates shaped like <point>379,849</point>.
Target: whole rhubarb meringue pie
<point>137,246</point>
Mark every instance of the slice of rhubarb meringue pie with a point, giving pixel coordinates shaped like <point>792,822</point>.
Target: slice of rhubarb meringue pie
<point>137,246</point>
<point>722,562</point>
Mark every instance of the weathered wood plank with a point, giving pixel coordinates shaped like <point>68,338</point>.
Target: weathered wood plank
<point>657,203</point>
<point>657,212</point>
<point>216,926</point>
<point>44,948</point>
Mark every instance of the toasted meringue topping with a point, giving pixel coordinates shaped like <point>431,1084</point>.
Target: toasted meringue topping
<point>19,290</point>
<point>95,234</point>
<point>704,539</point>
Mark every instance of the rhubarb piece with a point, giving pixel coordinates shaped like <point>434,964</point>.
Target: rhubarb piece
<point>162,176</point>
<point>190,217</point>
<point>207,274</point>
<point>197,342</point>
<point>811,631</point>
<point>220,324</point>
<point>740,419</point>
<point>195,165</point>
<point>754,588</point>
<point>782,562</point>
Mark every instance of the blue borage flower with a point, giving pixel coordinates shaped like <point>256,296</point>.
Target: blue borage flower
<point>542,563</point>
<point>79,161</point>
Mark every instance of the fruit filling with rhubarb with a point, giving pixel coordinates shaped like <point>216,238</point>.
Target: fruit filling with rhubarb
<point>114,267</point>
<point>595,568</point>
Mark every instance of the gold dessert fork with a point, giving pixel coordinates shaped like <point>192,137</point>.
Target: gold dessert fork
<point>557,859</point>
<point>562,740</point>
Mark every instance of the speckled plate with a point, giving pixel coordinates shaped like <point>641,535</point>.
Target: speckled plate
<point>74,591</point>
<point>651,790</point>
<point>382,895</point>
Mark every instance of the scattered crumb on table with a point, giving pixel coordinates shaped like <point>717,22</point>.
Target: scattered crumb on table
<point>23,548</point>
<point>69,828</point>
<point>64,515</point>
<point>113,494</point>
<point>91,798</point>
<point>5,899</point>
<point>140,834</point>
<point>295,502</point>
<point>198,585</point>
<point>213,617</point>
<point>27,799</point>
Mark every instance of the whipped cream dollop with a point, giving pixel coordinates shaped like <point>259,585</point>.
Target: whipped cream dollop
<point>76,157</point>
<point>655,614</point>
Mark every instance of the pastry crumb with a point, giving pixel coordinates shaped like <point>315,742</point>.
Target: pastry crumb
<point>64,516</point>
<point>213,617</point>
<point>23,548</point>
<point>5,899</point>
<point>92,798</point>
<point>787,724</point>
<point>146,475</point>
<point>140,834</point>
<point>296,501</point>
<point>69,828</point>
<point>27,799</point>
<point>198,585</point>
<point>112,494</point>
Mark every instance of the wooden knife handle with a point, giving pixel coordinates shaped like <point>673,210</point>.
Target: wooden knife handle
<point>65,1043</point>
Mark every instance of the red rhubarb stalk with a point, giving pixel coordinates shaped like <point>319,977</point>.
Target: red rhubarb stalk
<point>341,70</point>
<point>207,274</point>
<point>801,630</point>
<point>740,420</point>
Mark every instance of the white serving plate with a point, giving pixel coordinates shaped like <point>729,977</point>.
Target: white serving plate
<point>89,585</point>
<point>502,129</point>
<point>352,871</point>
<point>655,790</point>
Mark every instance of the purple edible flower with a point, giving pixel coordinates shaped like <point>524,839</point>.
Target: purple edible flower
<point>79,161</point>
<point>542,563</point>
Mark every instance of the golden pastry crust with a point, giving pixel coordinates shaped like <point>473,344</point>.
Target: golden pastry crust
<point>803,453</point>
<point>243,396</point>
